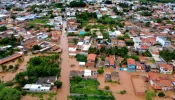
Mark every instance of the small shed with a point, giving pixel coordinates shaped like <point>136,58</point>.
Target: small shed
<point>82,63</point>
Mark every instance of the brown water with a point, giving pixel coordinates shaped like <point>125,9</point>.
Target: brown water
<point>125,84</point>
<point>65,69</point>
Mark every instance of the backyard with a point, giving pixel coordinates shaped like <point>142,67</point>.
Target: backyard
<point>87,88</point>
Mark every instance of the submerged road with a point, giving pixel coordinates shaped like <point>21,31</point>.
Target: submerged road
<point>63,92</point>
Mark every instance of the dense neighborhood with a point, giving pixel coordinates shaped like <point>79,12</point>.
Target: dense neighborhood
<point>87,49</point>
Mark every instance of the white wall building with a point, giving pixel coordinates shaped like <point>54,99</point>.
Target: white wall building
<point>163,41</point>
<point>37,87</point>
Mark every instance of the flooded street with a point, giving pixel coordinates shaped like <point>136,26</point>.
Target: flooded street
<point>65,70</point>
<point>65,67</point>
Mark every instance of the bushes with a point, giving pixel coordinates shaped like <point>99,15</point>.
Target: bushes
<point>36,47</point>
<point>150,95</point>
<point>10,94</point>
<point>77,79</point>
<point>161,94</point>
<point>107,87</point>
<point>81,58</point>
<point>100,70</point>
<point>122,92</point>
<point>39,67</point>
<point>58,84</point>
<point>3,28</point>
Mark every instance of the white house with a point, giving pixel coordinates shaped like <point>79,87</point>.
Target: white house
<point>137,42</point>
<point>165,69</point>
<point>37,87</point>
<point>42,36</point>
<point>163,41</point>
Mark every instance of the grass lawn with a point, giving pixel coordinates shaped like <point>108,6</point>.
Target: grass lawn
<point>39,21</point>
<point>88,86</point>
<point>90,98</point>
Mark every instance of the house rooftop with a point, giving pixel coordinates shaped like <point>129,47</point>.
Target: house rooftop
<point>131,61</point>
<point>91,56</point>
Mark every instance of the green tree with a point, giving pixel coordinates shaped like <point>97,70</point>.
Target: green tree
<point>130,42</point>
<point>107,87</point>
<point>150,95</point>
<point>16,66</point>
<point>147,24</point>
<point>122,91</point>
<point>36,47</point>
<point>10,66</point>
<point>77,79</point>
<point>100,70</point>
<point>3,28</point>
<point>10,94</point>
<point>4,67</point>
<point>81,58</point>
<point>80,3</point>
<point>161,94</point>
<point>58,84</point>
<point>21,78</point>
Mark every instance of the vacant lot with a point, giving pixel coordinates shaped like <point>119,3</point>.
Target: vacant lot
<point>39,21</point>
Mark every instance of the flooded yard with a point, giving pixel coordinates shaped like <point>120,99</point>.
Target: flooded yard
<point>125,84</point>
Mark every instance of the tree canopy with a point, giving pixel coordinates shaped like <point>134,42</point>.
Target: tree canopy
<point>39,67</point>
<point>109,51</point>
<point>81,58</point>
<point>10,94</point>
<point>12,40</point>
<point>167,55</point>
<point>80,3</point>
<point>3,28</point>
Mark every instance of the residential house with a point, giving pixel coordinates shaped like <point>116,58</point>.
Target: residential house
<point>137,42</point>
<point>165,68</point>
<point>140,67</point>
<point>87,39</point>
<point>47,80</point>
<point>10,58</point>
<point>114,42</point>
<point>90,74</point>
<point>131,64</point>
<point>114,34</point>
<point>37,87</point>
<point>163,41</point>
<point>86,73</point>
<point>72,50</point>
<point>56,35</point>
<point>115,76</point>
<point>80,45</point>
<point>91,60</point>
<point>142,59</point>
<point>75,73</point>
<point>72,25</point>
<point>154,67</point>
<point>110,61</point>
<point>107,77</point>
<point>121,43</point>
<point>29,41</point>
<point>160,82</point>
<point>42,36</point>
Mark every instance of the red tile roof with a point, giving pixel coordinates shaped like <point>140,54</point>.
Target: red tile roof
<point>131,61</point>
<point>91,57</point>
<point>166,66</point>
